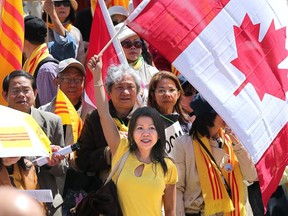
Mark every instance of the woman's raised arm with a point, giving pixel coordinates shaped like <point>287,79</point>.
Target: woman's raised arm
<point>109,127</point>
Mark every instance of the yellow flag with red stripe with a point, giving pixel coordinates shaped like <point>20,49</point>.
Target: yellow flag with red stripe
<point>65,109</point>
<point>11,38</point>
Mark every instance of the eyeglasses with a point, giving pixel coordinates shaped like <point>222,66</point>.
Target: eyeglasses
<point>17,92</point>
<point>64,3</point>
<point>128,44</point>
<point>69,80</point>
<point>164,91</point>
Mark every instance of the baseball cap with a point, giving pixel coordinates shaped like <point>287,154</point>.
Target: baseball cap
<point>70,62</point>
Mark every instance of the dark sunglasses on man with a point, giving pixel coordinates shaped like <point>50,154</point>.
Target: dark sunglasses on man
<point>64,3</point>
<point>127,44</point>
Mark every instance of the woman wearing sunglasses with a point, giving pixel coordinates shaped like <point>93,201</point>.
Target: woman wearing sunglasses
<point>188,94</point>
<point>65,11</point>
<point>133,48</point>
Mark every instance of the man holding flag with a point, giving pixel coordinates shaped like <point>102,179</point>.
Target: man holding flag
<point>233,53</point>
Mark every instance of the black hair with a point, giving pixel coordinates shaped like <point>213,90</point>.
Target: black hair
<point>158,152</point>
<point>21,163</point>
<point>35,30</point>
<point>145,53</point>
<point>202,123</point>
<point>16,73</point>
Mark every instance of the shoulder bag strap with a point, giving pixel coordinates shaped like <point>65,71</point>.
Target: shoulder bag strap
<point>118,167</point>
<point>213,159</point>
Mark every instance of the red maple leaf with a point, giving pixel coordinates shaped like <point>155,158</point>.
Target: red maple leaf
<point>259,61</point>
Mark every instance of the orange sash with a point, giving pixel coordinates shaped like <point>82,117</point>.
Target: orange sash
<point>40,53</point>
<point>215,195</point>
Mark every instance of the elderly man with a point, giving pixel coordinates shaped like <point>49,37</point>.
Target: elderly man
<point>70,79</point>
<point>19,90</point>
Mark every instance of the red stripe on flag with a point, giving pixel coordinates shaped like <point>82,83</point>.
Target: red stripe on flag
<point>276,157</point>
<point>14,12</point>
<point>14,36</point>
<point>60,102</point>
<point>61,107</point>
<point>197,14</point>
<point>14,134</point>
<point>9,57</point>
<point>59,112</point>
<point>8,54</point>
<point>15,139</point>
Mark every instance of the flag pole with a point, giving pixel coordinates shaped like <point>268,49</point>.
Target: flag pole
<point>47,27</point>
<point>111,40</point>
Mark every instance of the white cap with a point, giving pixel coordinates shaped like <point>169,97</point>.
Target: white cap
<point>70,62</point>
<point>125,33</point>
<point>118,10</point>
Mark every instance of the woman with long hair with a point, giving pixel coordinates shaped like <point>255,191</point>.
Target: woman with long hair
<point>148,177</point>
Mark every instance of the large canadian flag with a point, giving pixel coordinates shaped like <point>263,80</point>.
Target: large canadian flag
<point>235,53</point>
<point>102,31</point>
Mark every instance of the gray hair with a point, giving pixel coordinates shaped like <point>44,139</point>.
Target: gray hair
<point>116,73</point>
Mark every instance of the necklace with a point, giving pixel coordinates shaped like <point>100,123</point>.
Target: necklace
<point>167,118</point>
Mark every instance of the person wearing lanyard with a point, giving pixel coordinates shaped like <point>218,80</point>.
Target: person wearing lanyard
<point>165,93</point>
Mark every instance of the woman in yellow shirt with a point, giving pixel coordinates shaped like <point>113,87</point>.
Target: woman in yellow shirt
<point>148,177</point>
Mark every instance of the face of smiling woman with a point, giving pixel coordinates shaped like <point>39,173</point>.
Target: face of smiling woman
<point>145,134</point>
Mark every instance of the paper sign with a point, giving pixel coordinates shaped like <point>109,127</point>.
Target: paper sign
<point>172,132</point>
<point>40,195</point>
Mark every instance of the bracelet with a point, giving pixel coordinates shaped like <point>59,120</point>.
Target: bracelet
<point>98,85</point>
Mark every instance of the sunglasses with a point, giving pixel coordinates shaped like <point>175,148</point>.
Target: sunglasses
<point>188,93</point>
<point>64,3</point>
<point>128,44</point>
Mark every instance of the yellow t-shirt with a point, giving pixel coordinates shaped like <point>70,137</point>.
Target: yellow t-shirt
<point>142,196</point>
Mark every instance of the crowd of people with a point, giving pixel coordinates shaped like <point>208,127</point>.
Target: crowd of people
<point>183,158</point>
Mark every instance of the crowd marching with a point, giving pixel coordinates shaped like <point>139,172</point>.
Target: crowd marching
<point>181,158</point>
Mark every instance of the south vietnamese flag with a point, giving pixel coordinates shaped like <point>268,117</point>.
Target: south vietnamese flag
<point>11,38</point>
<point>102,30</point>
<point>234,53</point>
